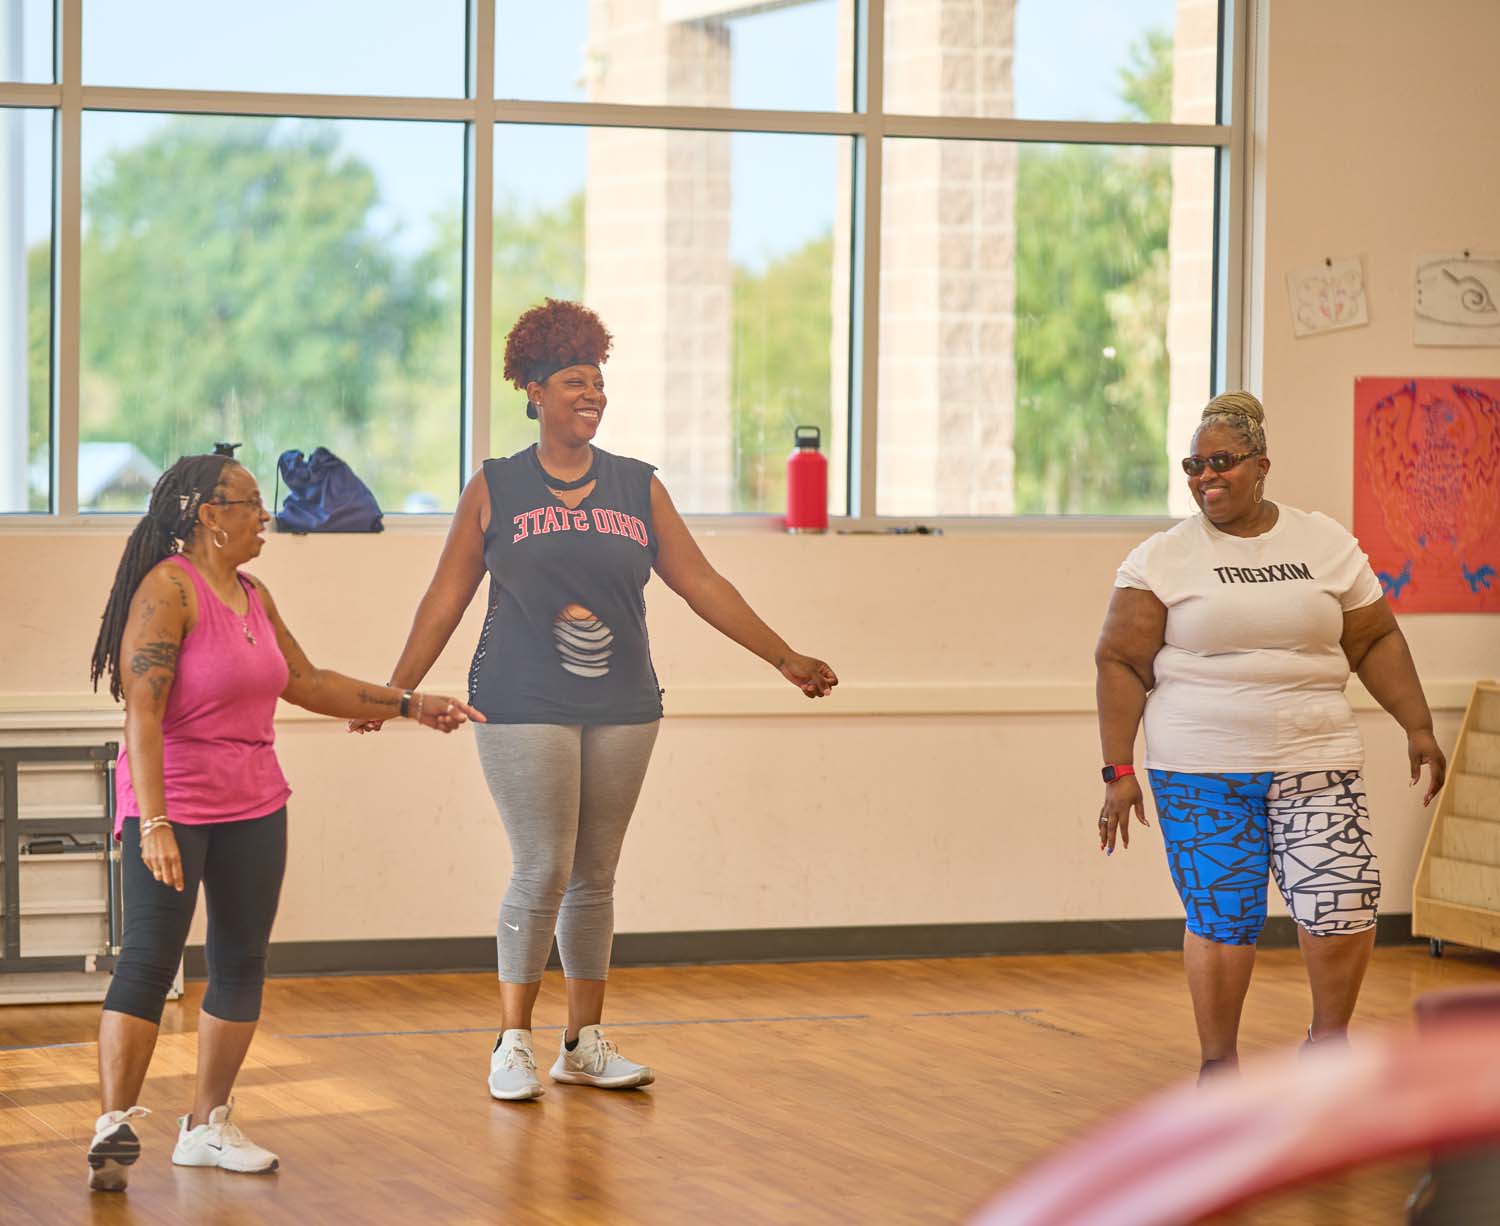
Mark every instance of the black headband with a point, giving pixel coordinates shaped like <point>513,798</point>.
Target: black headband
<point>541,373</point>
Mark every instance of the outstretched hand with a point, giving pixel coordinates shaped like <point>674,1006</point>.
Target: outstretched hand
<point>444,714</point>
<point>1422,748</point>
<point>431,711</point>
<point>812,676</point>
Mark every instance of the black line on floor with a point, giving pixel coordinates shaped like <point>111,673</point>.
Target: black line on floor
<point>691,1021</point>
<point>1021,1015</point>
<point>978,1013</point>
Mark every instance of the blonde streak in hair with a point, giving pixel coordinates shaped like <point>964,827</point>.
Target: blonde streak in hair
<point>1241,412</point>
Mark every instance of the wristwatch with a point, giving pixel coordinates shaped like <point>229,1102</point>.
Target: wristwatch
<point>1119,771</point>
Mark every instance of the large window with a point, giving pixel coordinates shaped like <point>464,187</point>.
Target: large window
<point>309,294</point>
<point>25,310</point>
<point>384,47</point>
<point>983,246</point>
<point>717,281</point>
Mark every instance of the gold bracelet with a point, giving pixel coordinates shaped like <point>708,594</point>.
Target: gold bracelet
<point>153,823</point>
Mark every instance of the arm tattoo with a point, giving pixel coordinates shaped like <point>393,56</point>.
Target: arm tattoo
<point>180,586</point>
<point>148,609</point>
<point>161,654</point>
<point>376,700</point>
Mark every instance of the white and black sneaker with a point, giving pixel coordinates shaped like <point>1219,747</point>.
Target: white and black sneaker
<point>220,1143</point>
<point>513,1068</point>
<point>595,1061</point>
<point>114,1149</point>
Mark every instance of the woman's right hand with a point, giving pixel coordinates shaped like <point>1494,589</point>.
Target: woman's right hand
<point>159,851</point>
<point>1120,797</point>
<point>366,725</point>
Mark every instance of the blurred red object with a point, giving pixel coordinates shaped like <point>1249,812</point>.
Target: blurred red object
<point>1190,1151</point>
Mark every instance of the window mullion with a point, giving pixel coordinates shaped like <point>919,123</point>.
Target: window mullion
<point>865,432</point>
<point>1233,345</point>
<point>480,226</point>
<point>68,220</point>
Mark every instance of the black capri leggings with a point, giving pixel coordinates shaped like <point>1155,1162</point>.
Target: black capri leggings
<point>241,865</point>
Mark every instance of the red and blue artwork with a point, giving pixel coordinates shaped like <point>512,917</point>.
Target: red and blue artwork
<point>1427,491</point>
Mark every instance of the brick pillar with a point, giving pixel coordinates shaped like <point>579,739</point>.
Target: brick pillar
<point>657,266</point>
<point>947,364</point>
<point>1195,69</point>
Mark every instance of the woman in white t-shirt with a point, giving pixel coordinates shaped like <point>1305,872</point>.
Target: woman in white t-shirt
<point>1234,634</point>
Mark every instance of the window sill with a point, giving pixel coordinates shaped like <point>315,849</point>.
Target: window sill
<point>120,524</point>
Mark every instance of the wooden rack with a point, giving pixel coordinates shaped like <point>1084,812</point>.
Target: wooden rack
<point>1457,892</point>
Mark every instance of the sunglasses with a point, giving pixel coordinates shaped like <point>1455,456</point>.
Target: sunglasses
<point>1220,462</point>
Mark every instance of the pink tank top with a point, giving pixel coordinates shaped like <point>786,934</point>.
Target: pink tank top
<point>218,730</point>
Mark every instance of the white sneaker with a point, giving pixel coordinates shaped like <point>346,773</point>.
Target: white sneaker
<point>597,1062</point>
<point>220,1143</point>
<point>114,1149</point>
<point>513,1068</point>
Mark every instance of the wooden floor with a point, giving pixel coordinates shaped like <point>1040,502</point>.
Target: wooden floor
<point>871,1092</point>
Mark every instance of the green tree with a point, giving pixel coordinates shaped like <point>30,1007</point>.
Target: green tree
<point>783,333</point>
<point>539,253</point>
<point>38,361</point>
<point>1091,309</point>
<point>235,286</point>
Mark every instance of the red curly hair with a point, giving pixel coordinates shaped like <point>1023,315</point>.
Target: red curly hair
<point>551,336</point>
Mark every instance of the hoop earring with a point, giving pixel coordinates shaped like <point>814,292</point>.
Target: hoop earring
<point>1260,491</point>
<point>214,536</point>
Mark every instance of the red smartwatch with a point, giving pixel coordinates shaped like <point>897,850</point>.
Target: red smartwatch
<point>1111,773</point>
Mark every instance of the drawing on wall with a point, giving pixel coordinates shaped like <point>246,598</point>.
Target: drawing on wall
<point>1457,300</point>
<point>1327,296</point>
<point>1427,491</point>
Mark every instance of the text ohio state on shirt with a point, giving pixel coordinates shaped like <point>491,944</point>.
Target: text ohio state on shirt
<point>542,520</point>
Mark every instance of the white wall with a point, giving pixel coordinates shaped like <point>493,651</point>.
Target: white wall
<point>953,775</point>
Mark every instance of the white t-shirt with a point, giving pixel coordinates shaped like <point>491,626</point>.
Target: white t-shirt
<point>1251,677</point>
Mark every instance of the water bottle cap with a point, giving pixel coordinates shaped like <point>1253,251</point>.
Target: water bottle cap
<point>803,442</point>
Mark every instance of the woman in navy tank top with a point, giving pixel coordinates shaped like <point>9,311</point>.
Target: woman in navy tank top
<point>568,534</point>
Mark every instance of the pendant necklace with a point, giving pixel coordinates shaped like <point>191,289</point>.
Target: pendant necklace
<point>245,626</point>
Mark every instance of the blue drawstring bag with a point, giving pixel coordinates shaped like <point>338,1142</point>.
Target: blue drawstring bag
<point>323,494</point>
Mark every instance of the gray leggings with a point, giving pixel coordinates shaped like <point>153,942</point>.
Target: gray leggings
<point>565,794</point>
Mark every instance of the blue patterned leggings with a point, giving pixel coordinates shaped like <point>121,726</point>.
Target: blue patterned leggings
<point>1311,828</point>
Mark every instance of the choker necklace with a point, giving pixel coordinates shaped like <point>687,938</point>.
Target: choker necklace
<point>554,483</point>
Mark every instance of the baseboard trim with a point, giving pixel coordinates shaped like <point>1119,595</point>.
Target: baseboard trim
<point>406,957</point>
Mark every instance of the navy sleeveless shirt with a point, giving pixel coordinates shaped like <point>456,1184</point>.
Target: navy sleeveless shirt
<point>564,639</point>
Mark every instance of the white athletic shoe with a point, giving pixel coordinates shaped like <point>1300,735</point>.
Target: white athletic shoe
<point>597,1062</point>
<point>513,1068</point>
<point>114,1149</point>
<point>220,1143</point>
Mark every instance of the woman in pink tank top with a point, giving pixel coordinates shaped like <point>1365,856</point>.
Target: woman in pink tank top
<point>200,655</point>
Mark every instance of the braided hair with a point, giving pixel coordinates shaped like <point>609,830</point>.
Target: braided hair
<point>165,529</point>
<point>1242,413</point>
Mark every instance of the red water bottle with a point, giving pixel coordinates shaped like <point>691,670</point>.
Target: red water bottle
<point>807,483</point>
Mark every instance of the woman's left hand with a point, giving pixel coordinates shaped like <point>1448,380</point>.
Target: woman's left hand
<point>812,676</point>
<point>1422,747</point>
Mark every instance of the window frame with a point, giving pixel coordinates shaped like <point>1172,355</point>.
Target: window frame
<point>866,122</point>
